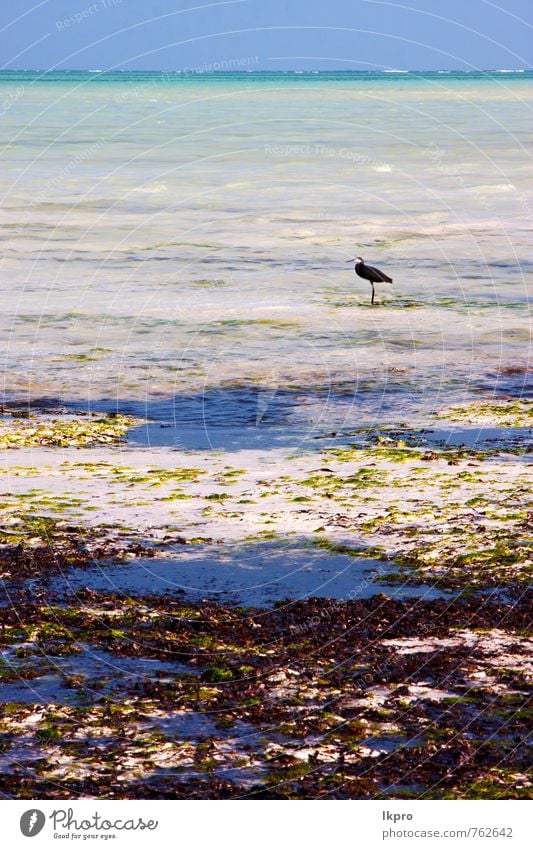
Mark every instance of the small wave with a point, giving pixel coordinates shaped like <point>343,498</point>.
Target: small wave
<point>153,189</point>
<point>382,169</point>
<point>496,187</point>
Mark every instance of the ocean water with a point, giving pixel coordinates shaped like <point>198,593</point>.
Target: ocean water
<point>176,244</point>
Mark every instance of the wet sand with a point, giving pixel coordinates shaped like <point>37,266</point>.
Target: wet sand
<point>346,621</point>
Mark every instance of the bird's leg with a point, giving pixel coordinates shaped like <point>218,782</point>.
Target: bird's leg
<point>372,298</point>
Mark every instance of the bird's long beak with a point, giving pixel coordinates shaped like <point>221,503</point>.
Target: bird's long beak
<point>350,260</point>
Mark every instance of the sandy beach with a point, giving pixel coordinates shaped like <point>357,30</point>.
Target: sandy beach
<point>345,622</point>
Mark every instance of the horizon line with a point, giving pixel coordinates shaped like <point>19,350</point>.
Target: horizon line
<point>197,71</point>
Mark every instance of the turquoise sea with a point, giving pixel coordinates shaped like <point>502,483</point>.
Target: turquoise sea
<point>176,244</point>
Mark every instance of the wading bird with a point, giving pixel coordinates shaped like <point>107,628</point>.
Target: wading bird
<point>368,272</point>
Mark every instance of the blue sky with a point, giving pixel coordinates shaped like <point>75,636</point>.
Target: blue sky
<point>260,35</point>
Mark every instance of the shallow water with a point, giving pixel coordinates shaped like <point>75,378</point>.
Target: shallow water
<point>256,575</point>
<point>100,673</point>
<point>179,243</point>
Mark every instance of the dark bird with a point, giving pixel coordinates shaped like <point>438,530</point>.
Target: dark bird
<point>370,273</point>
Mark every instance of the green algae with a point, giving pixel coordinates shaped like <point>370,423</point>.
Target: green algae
<point>509,413</point>
<point>230,476</point>
<point>155,477</point>
<point>340,548</point>
<point>398,452</point>
<point>178,495</point>
<point>237,324</point>
<point>81,358</point>
<point>66,433</point>
<point>216,674</point>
